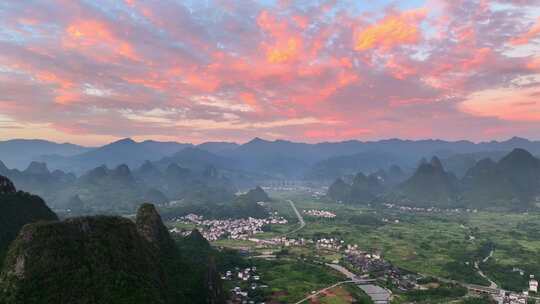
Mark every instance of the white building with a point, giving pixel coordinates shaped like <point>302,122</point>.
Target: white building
<point>533,284</point>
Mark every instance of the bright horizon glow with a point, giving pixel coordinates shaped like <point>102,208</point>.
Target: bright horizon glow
<point>92,72</point>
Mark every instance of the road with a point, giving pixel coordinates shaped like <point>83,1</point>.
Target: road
<point>323,290</point>
<point>492,284</point>
<point>300,219</point>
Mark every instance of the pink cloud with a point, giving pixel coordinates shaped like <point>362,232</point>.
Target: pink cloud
<point>139,68</point>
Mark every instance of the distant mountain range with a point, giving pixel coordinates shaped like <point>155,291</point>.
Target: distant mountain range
<point>509,183</point>
<point>18,153</point>
<point>124,151</point>
<point>126,173</point>
<point>263,159</point>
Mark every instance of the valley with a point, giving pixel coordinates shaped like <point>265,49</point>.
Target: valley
<point>239,230</point>
<point>414,245</point>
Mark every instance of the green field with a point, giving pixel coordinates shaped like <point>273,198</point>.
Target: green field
<point>292,280</point>
<point>443,244</point>
<point>439,244</point>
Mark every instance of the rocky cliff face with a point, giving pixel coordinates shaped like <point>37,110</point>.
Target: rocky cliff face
<point>16,210</point>
<point>82,260</point>
<point>151,227</point>
<point>6,186</point>
<point>104,259</point>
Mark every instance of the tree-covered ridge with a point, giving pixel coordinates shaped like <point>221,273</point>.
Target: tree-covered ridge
<point>513,182</point>
<point>105,190</point>
<point>240,206</point>
<point>16,210</point>
<point>430,183</point>
<point>104,259</point>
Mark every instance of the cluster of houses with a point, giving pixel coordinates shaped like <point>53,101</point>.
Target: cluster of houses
<point>281,241</point>
<point>319,213</point>
<point>507,297</point>
<point>513,298</point>
<point>387,220</point>
<point>427,209</point>
<point>247,282</point>
<point>374,265</point>
<point>329,244</point>
<point>214,230</point>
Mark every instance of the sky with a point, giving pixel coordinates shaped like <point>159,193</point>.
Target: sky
<point>90,72</point>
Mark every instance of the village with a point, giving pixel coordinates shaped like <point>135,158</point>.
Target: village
<point>365,264</point>
<point>427,209</point>
<point>214,230</point>
<point>319,213</point>
<point>247,285</point>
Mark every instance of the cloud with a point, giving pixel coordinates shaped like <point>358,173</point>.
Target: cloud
<point>505,103</point>
<point>393,30</point>
<point>532,33</point>
<point>321,70</point>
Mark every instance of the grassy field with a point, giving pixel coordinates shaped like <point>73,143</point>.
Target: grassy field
<point>292,280</point>
<point>344,294</point>
<point>443,244</point>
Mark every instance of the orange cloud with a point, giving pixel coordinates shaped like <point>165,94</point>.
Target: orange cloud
<point>391,31</point>
<point>287,45</point>
<point>534,64</point>
<point>65,91</point>
<point>206,83</point>
<point>511,104</point>
<point>88,35</point>
<point>282,53</point>
<point>249,99</point>
<point>532,33</point>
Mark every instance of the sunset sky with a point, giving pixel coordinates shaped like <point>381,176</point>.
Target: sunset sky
<point>194,71</point>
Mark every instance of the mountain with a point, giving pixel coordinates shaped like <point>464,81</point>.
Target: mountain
<point>104,190</point>
<point>245,205</point>
<point>334,167</point>
<point>195,159</point>
<point>156,197</point>
<point>339,191</point>
<point>217,147</point>
<point>256,195</point>
<point>513,182</point>
<point>461,162</point>
<point>16,210</point>
<point>363,189</point>
<point>125,151</point>
<point>18,153</point>
<point>105,260</point>
<point>430,185</point>
<point>278,159</point>
<point>263,159</point>
<point>39,180</point>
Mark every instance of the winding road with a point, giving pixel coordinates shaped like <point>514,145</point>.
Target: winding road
<point>300,219</point>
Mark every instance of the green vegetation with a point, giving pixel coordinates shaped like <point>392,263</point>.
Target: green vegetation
<point>429,185</point>
<point>16,210</point>
<point>109,260</point>
<point>358,294</point>
<point>478,300</point>
<point>241,206</point>
<point>444,244</point>
<point>291,281</point>
<point>440,294</point>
